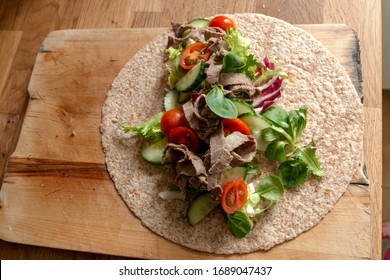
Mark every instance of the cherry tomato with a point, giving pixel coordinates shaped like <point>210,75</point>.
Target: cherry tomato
<point>172,118</point>
<point>231,125</point>
<point>193,53</point>
<point>184,135</point>
<point>234,195</point>
<point>222,22</point>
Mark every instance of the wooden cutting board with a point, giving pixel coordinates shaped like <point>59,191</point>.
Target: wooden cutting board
<point>56,190</point>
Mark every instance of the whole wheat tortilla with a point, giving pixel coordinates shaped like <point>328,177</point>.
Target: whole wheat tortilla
<point>316,80</point>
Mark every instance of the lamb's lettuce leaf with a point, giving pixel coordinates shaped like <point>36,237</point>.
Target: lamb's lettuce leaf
<point>307,155</point>
<point>286,129</point>
<point>268,191</point>
<point>239,224</point>
<point>292,173</point>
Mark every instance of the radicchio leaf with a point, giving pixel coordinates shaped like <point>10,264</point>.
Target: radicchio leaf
<point>268,82</point>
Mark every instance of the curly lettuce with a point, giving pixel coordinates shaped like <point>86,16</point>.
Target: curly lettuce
<point>151,129</point>
<point>239,47</point>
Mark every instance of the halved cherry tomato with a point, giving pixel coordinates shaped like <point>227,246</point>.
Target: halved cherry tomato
<point>231,125</point>
<point>234,195</point>
<point>184,135</point>
<point>222,22</point>
<point>193,53</point>
<point>172,118</point>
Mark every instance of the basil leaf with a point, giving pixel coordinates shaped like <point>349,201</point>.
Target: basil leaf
<point>307,154</point>
<point>276,151</point>
<point>220,105</point>
<point>271,187</point>
<point>232,63</point>
<point>292,173</point>
<point>277,116</point>
<point>239,224</point>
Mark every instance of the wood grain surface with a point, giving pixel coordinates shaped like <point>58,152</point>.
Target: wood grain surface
<point>24,25</point>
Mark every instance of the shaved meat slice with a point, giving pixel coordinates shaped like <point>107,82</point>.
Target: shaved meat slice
<point>220,157</point>
<point>231,79</point>
<point>241,147</point>
<point>200,117</point>
<point>213,32</point>
<point>189,167</point>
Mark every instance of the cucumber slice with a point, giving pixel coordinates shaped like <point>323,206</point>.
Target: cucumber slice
<point>242,107</point>
<point>184,97</point>
<point>256,124</point>
<point>233,173</point>
<point>171,100</point>
<point>254,121</point>
<point>177,63</point>
<point>154,152</point>
<point>199,22</point>
<point>200,207</point>
<point>172,195</point>
<point>192,78</point>
<point>189,41</point>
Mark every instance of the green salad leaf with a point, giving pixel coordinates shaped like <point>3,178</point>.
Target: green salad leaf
<point>268,191</point>
<point>250,168</point>
<point>297,123</point>
<point>276,151</point>
<point>238,43</point>
<point>174,75</point>
<point>173,53</point>
<point>239,224</point>
<point>292,173</point>
<point>232,63</point>
<point>250,66</point>
<point>150,129</point>
<point>270,188</point>
<point>286,129</point>
<point>307,155</point>
<point>278,116</point>
<point>285,126</point>
<point>239,59</point>
<point>220,105</point>
<point>267,74</point>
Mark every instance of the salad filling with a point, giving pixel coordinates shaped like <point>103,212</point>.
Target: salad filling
<point>219,114</point>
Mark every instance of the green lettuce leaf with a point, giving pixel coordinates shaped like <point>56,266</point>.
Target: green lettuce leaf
<point>292,173</point>
<point>276,151</point>
<point>239,59</point>
<point>307,154</point>
<point>284,134</point>
<point>237,42</point>
<point>174,53</point>
<point>270,188</point>
<point>150,129</point>
<point>239,224</point>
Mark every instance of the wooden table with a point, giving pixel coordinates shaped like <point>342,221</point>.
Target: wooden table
<point>24,25</point>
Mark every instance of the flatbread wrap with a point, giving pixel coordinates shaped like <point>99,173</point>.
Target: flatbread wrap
<point>316,81</point>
